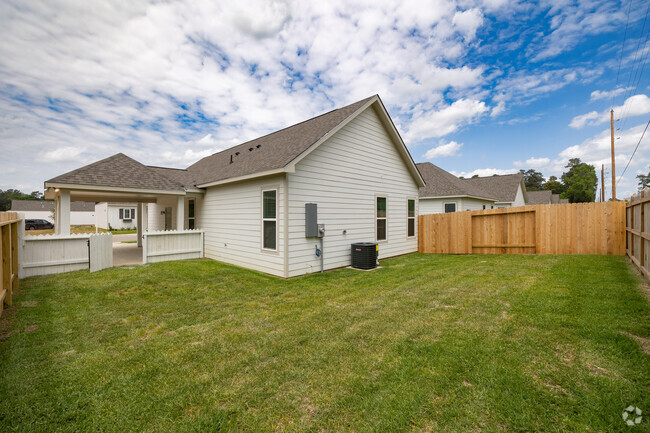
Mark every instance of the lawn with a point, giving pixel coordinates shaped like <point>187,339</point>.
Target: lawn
<point>427,343</point>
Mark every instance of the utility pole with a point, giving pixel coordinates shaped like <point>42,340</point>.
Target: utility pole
<point>613,162</point>
<point>602,183</point>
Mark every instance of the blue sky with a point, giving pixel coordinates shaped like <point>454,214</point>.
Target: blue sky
<point>474,86</point>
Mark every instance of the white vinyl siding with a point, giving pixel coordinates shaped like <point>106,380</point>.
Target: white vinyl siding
<point>156,217</point>
<point>230,216</point>
<point>437,205</point>
<point>343,176</point>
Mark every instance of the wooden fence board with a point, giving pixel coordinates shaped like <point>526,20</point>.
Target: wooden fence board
<point>584,228</point>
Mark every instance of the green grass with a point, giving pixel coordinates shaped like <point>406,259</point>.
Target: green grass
<point>428,343</point>
<point>122,232</point>
<point>129,242</point>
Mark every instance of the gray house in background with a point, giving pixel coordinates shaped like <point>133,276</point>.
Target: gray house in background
<point>81,213</point>
<point>250,199</point>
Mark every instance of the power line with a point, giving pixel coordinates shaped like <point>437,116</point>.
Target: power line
<point>633,153</point>
<point>620,58</point>
<point>639,72</point>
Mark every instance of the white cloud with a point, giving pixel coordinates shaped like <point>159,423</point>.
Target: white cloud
<point>535,163</point>
<point>634,106</point>
<point>443,150</point>
<point>61,154</point>
<point>467,22</point>
<point>603,94</point>
<point>446,120</point>
<point>498,109</point>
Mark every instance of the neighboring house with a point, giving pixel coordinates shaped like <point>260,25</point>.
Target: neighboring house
<point>509,189</point>
<point>81,213</point>
<point>555,199</point>
<point>540,197</point>
<point>250,199</point>
<point>116,216</point>
<point>445,192</point>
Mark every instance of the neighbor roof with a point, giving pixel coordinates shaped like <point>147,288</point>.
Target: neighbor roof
<point>540,197</point>
<point>503,187</point>
<point>48,205</point>
<point>118,171</point>
<point>441,183</point>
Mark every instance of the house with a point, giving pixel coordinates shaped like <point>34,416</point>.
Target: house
<point>250,200</point>
<point>115,216</point>
<point>445,192</point>
<point>81,213</point>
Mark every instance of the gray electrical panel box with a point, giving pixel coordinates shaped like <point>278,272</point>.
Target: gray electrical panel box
<point>311,220</point>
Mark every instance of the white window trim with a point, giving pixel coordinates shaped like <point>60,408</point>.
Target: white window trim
<point>415,217</point>
<point>455,203</point>
<point>276,219</point>
<point>124,212</point>
<point>377,218</point>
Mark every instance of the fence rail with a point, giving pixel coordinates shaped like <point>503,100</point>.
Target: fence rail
<point>579,228</point>
<point>9,251</point>
<point>637,229</point>
<point>163,246</point>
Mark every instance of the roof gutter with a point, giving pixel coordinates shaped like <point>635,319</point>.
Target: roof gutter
<point>104,188</point>
<point>248,176</point>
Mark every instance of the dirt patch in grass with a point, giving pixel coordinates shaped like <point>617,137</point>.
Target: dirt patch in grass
<point>643,342</point>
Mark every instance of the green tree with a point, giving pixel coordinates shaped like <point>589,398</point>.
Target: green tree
<point>580,182</point>
<point>554,185</point>
<point>644,181</point>
<point>533,179</point>
<point>13,194</point>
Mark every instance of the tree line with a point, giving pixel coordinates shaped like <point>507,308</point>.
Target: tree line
<point>578,183</point>
<point>13,194</point>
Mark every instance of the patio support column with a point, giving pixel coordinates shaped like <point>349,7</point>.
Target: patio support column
<point>180,214</point>
<point>62,213</point>
<point>138,223</point>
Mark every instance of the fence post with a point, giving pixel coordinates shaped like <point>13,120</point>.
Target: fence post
<point>21,245</point>
<point>144,248</point>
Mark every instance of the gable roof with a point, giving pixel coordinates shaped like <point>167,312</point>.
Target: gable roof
<point>441,183</point>
<point>272,153</point>
<point>504,187</point>
<point>540,197</point>
<point>48,205</point>
<point>118,171</point>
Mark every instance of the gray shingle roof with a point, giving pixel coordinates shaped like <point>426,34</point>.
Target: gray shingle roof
<point>118,171</point>
<point>272,151</point>
<point>441,183</point>
<point>539,197</point>
<point>503,187</point>
<point>48,205</point>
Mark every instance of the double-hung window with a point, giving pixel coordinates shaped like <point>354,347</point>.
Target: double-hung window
<point>450,207</point>
<point>410,218</point>
<point>269,220</point>
<point>382,223</point>
<point>190,214</point>
<point>127,214</point>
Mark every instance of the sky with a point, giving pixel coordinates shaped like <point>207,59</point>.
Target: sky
<point>473,86</point>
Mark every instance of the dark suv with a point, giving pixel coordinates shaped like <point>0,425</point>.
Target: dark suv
<point>38,225</point>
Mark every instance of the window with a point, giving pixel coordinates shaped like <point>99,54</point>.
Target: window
<point>381,219</point>
<point>269,220</point>
<point>483,206</point>
<point>450,207</point>
<point>127,214</point>
<point>410,218</point>
<point>190,214</point>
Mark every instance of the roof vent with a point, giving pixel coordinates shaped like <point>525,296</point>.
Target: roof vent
<point>231,158</point>
<point>258,146</point>
<point>250,149</point>
<point>236,153</point>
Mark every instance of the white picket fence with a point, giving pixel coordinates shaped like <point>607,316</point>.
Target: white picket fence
<point>53,254</point>
<point>162,246</point>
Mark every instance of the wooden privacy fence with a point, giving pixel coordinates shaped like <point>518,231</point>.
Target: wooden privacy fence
<point>163,246</point>
<point>579,228</point>
<point>637,227</point>
<point>9,230</point>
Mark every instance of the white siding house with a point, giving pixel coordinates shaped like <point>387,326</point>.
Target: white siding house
<point>249,200</point>
<point>116,216</point>
<point>81,213</point>
<point>344,176</point>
